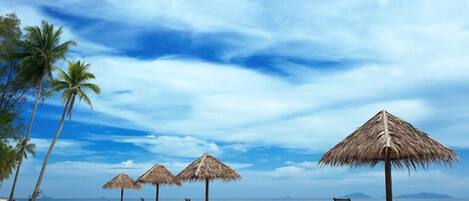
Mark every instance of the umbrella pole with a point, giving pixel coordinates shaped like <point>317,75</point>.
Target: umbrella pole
<point>387,172</point>
<point>122,194</point>
<point>157,191</point>
<point>206,189</point>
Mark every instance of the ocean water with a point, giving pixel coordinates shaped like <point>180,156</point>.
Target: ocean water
<point>248,199</point>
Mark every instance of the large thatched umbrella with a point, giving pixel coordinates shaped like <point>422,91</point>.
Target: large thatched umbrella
<point>158,175</point>
<point>207,168</point>
<point>122,181</point>
<point>389,139</point>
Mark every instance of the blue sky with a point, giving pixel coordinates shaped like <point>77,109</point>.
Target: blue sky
<point>265,87</point>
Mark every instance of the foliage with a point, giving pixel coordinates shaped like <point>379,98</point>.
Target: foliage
<point>75,82</point>
<point>42,49</point>
<point>8,162</point>
<point>13,91</point>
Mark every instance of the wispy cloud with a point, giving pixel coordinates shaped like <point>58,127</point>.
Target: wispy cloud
<point>170,146</point>
<point>231,104</point>
<point>64,147</point>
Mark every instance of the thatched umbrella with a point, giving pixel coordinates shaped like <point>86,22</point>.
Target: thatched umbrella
<point>389,139</point>
<point>122,181</point>
<point>207,168</point>
<point>158,175</point>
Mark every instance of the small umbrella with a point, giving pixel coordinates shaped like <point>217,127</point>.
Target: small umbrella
<point>158,175</point>
<point>122,181</point>
<point>389,139</point>
<point>207,168</point>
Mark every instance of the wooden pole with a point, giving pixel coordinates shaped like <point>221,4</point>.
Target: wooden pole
<point>387,172</point>
<point>206,189</point>
<point>157,191</point>
<point>387,160</point>
<point>122,194</point>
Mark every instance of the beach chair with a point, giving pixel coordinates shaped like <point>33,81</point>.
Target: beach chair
<point>341,199</point>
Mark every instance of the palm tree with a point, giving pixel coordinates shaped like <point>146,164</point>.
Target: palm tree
<point>10,157</point>
<point>73,83</point>
<point>42,48</point>
<point>29,149</point>
<point>7,162</point>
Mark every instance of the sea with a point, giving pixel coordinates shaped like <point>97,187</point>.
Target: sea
<point>245,199</point>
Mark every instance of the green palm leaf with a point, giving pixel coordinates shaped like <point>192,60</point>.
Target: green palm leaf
<point>74,83</point>
<point>42,48</point>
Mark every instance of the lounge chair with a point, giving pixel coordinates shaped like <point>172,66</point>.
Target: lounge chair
<point>341,199</point>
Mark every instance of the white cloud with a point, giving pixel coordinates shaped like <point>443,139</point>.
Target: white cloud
<point>239,166</point>
<point>369,30</point>
<point>407,57</point>
<point>170,146</point>
<point>63,147</point>
<point>232,104</point>
<point>304,164</point>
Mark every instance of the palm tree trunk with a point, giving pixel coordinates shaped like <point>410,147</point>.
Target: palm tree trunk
<point>51,148</point>
<point>25,141</point>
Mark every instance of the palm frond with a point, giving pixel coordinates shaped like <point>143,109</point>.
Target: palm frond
<point>58,85</point>
<point>71,84</point>
<point>82,95</point>
<point>42,48</point>
<point>93,87</point>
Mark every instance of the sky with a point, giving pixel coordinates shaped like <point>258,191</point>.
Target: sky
<point>265,86</point>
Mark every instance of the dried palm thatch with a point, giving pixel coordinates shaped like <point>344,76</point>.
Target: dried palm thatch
<point>207,167</point>
<point>406,145</point>
<point>122,181</point>
<point>158,175</point>
<point>389,139</point>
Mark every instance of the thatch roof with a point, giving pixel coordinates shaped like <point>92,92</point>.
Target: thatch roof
<point>158,175</point>
<point>122,181</point>
<point>208,167</point>
<point>407,146</point>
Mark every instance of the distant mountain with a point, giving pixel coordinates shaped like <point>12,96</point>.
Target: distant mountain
<point>425,195</point>
<point>43,198</point>
<point>357,195</point>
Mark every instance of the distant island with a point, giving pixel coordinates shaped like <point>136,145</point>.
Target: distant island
<point>425,195</point>
<point>357,195</point>
<point>45,198</point>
